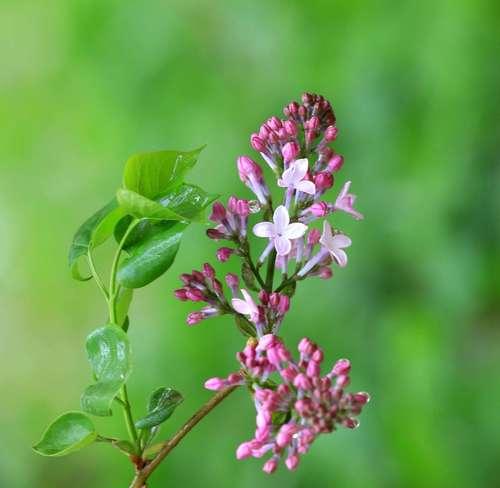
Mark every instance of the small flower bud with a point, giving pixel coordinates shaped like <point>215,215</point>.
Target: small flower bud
<point>180,294</point>
<point>335,163</point>
<point>323,181</point>
<point>270,466</point>
<point>313,237</point>
<point>218,212</point>
<point>224,253</point>
<point>319,209</point>
<point>208,271</point>
<point>215,384</point>
<point>244,450</point>
<point>247,167</point>
<point>232,280</point>
<point>257,143</point>
<point>290,128</point>
<point>292,462</point>
<point>342,366</point>
<point>290,151</point>
<point>331,133</point>
<point>194,318</point>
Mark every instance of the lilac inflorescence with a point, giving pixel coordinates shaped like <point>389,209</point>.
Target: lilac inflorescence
<point>303,405</point>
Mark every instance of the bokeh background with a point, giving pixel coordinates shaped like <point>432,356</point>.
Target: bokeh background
<point>415,85</point>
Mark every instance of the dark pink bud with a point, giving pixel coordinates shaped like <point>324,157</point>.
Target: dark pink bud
<point>194,318</point>
<point>350,423</point>
<point>325,273</point>
<point>195,295</point>
<point>290,151</point>
<point>234,379</point>
<point>313,369</point>
<point>292,462</point>
<point>306,346</point>
<point>335,163</point>
<point>361,397</point>
<point>313,123</point>
<point>274,300</point>
<point>293,108</point>
<point>248,168</point>
<point>198,276</point>
<point>224,253</point>
<point>186,278</point>
<point>274,123</point>
<point>257,143</point>
<point>331,133</point>
<point>244,451</point>
<point>342,381</point>
<point>284,304</point>
<point>342,366</point>
<point>264,132</point>
<point>180,294</point>
<point>302,382</point>
<point>288,374</point>
<point>217,286</point>
<point>313,237</point>
<point>232,204</point>
<point>243,208</point>
<point>264,297</point>
<point>208,271</point>
<point>218,212</point>
<point>215,234</point>
<point>270,466</point>
<point>290,128</point>
<point>323,181</point>
<point>232,280</point>
<point>319,209</point>
<point>215,384</point>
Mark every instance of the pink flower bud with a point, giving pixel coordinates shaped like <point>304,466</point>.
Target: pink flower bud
<point>274,123</point>
<point>194,318</point>
<point>313,369</point>
<point>208,270</point>
<point>232,280</point>
<point>319,209</point>
<point>284,304</point>
<point>325,273</point>
<point>350,423</point>
<point>215,384</point>
<point>331,133</point>
<point>335,163</point>
<point>343,381</point>
<point>215,234</point>
<point>270,466</point>
<point>302,382</point>
<point>257,143</point>
<point>186,278</point>
<point>317,355</point>
<point>234,379</point>
<point>306,346</point>
<point>323,181</point>
<point>313,237</point>
<point>218,212</point>
<point>288,374</point>
<point>361,397</point>
<point>195,295</point>
<point>293,108</point>
<point>342,366</point>
<point>243,208</point>
<point>290,128</point>
<point>224,253</point>
<point>232,204</point>
<point>244,450</point>
<point>247,168</point>
<point>292,462</point>
<point>181,294</point>
<point>313,123</point>
<point>274,299</point>
<point>262,433</point>
<point>290,151</point>
<point>264,297</point>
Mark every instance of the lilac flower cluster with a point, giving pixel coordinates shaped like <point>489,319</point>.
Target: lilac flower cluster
<point>305,404</point>
<point>297,149</point>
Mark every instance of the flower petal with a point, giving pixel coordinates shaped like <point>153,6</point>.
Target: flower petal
<point>326,238</point>
<point>264,229</point>
<point>341,240</point>
<point>282,245</point>
<point>295,230</point>
<point>301,166</point>
<point>248,299</point>
<point>281,219</point>
<point>340,256</point>
<point>306,186</point>
<point>287,178</point>
<point>344,190</point>
<point>241,306</point>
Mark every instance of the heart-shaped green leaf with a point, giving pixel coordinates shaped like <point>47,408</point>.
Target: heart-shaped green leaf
<point>108,351</point>
<point>151,256</point>
<point>161,406</point>
<point>68,433</point>
<point>93,232</point>
<point>154,173</point>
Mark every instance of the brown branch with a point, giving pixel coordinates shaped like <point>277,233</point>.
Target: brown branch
<point>142,476</point>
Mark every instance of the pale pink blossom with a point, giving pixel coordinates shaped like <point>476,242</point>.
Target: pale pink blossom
<point>281,232</point>
<point>293,177</point>
<point>345,202</point>
<point>335,244</point>
<point>246,306</point>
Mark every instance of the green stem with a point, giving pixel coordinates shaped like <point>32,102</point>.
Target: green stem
<point>127,413</point>
<point>95,274</point>
<point>113,291</point>
<point>270,271</point>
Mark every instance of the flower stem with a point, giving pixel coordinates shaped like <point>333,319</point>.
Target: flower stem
<point>142,476</point>
<point>127,413</point>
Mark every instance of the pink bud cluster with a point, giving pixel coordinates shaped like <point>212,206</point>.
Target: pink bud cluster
<point>291,414</point>
<point>231,222</point>
<point>203,286</point>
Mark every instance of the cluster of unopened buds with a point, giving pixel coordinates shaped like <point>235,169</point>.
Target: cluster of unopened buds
<point>298,152</point>
<point>303,405</point>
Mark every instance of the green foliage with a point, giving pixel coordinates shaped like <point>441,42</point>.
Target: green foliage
<point>142,207</point>
<point>161,406</point>
<point>108,351</point>
<point>151,256</point>
<point>68,433</point>
<point>154,173</point>
<point>93,232</point>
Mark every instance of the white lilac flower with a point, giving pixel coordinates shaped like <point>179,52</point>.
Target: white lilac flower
<point>281,232</point>
<point>293,177</point>
<point>335,244</point>
<point>246,306</point>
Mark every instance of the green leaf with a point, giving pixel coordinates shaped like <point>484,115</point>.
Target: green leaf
<point>152,174</point>
<point>68,433</point>
<point>124,446</point>
<point>93,232</point>
<point>188,200</point>
<point>108,351</point>
<point>161,406</point>
<point>150,257</point>
<point>142,207</point>
<point>244,326</point>
<point>151,451</point>
<point>123,302</point>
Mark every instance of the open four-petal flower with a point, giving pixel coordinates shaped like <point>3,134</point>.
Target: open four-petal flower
<point>345,202</point>
<point>335,244</point>
<point>246,306</point>
<point>280,231</point>
<point>293,177</point>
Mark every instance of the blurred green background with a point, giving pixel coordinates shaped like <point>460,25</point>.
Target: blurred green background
<point>415,86</point>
